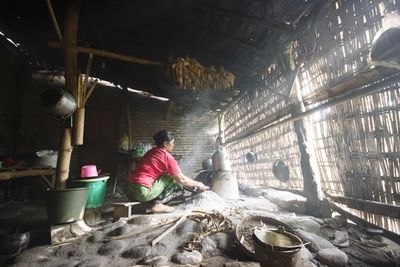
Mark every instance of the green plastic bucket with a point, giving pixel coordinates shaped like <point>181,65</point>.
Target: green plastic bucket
<point>97,190</point>
<point>66,205</point>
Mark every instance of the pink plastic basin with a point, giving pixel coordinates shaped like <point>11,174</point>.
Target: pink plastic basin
<point>89,171</point>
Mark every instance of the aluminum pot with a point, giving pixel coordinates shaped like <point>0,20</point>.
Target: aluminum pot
<point>220,160</point>
<point>59,102</point>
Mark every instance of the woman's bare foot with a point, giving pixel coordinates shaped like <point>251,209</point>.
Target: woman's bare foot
<point>161,208</point>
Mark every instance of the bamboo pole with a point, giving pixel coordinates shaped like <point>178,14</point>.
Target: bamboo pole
<point>270,123</point>
<point>54,20</point>
<point>64,158</point>
<point>71,82</point>
<point>85,85</point>
<point>128,119</point>
<point>90,91</point>
<point>108,54</point>
<point>79,126</point>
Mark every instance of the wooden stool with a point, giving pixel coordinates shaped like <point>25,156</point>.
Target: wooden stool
<point>127,209</point>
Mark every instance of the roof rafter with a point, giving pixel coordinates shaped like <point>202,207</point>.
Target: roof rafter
<point>281,27</point>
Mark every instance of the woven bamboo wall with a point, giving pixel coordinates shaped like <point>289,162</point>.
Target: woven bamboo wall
<point>280,143</point>
<point>356,143</point>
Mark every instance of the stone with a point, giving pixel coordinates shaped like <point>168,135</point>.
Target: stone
<point>68,263</point>
<point>286,200</point>
<point>121,230</point>
<point>96,237</point>
<point>138,252</point>
<point>68,231</point>
<point>306,224</point>
<point>241,264</point>
<point>327,233</point>
<point>156,260</point>
<point>91,263</point>
<point>332,257</point>
<point>75,253</point>
<point>316,242</point>
<point>111,248</point>
<point>223,240</point>
<point>253,191</point>
<point>305,258</point>
<point>341,239</point>
<point>187,228</point>
<point>208,246</point>
<point>32,255</point>
<point>187,257</point>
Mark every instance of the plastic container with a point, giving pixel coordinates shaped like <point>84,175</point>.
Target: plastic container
<point>97,190</point>
<point>89,171</point>
<point>66,205</point>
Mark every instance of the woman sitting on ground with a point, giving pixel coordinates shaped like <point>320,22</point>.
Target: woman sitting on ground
<point>157,175</point>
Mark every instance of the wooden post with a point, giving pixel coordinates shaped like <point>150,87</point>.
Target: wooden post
<point>317,204</point>
<point>71,83</point>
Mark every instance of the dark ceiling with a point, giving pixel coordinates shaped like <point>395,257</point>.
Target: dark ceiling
<point>243,36</point>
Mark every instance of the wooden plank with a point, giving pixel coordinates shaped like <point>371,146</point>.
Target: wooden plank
<point>25,173</point>
<point>369,206</point>
<point>391,235</point>
<point>365,77</point>
<point>169,230</point>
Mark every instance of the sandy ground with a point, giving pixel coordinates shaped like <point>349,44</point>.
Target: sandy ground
<point>101,248</point>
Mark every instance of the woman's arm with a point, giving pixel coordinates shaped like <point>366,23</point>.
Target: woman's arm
<point>186,181</point>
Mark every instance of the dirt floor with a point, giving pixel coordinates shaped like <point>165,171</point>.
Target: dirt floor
<point>208,239</point>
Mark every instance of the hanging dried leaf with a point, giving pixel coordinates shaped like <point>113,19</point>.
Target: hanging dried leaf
<point>189,74</point>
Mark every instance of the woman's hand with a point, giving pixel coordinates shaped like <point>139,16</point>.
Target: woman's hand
<point>186,181</point>
<point>201,187</point>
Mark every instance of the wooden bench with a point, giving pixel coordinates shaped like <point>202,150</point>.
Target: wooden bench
<point>47,175</point>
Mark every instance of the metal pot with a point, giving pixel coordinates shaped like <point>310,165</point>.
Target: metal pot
<point>247,246</point>
<point>207,164</point>
<point>251,156</point>
<point>59,102</point>
<point>280,170</point>
<point>220,160</point>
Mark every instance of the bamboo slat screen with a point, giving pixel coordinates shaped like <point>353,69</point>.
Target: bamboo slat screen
<point>269,145</point>
<point>356,143</point>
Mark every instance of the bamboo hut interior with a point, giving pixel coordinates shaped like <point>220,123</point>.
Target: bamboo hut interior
<point>302,98</point>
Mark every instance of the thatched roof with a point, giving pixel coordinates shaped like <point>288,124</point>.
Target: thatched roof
<point>243,36</point>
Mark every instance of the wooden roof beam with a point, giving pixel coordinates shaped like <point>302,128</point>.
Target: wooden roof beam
<point>281,27</point>
<point>226,37</point>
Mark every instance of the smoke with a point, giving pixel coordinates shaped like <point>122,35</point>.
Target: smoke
<point>199,130</point>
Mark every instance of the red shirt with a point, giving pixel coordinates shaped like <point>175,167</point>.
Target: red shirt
<point>156,162</point>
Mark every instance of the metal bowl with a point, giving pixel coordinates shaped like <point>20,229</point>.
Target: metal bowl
<point>246,245</point>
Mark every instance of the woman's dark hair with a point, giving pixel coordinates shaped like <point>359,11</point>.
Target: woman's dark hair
<point>162,136</point>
